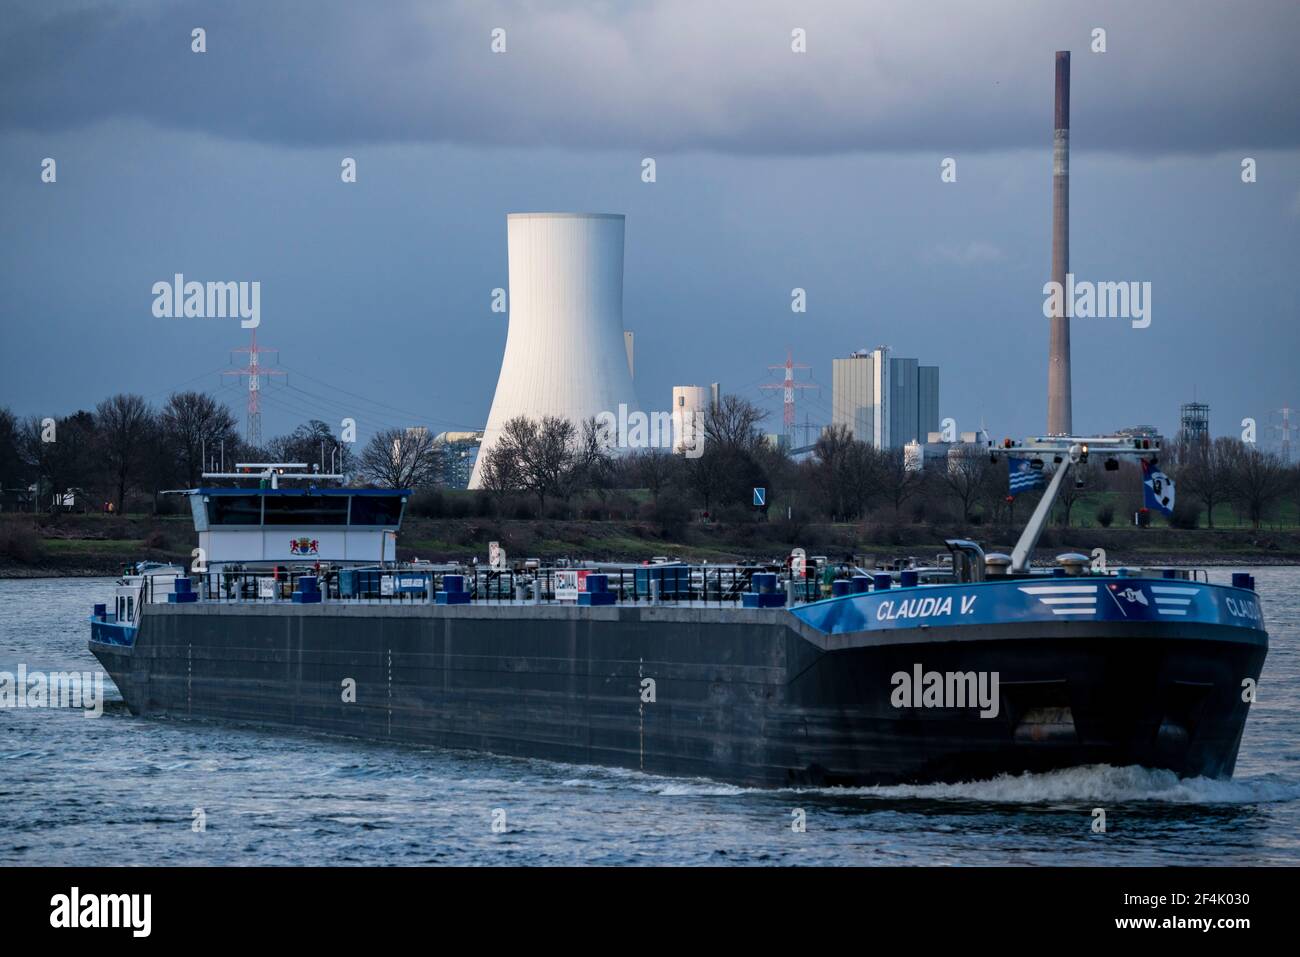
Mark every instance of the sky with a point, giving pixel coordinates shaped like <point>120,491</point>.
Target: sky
<point>775,170</point>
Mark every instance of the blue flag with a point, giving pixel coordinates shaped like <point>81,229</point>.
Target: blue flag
<point>1022,476</point>
<point>1157,489</point>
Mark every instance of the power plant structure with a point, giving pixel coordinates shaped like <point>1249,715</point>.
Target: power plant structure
<point>1060,419</point>
<point>566,352</point>
<point>883,400</point>
<point>691,404</point>
<point>1194,423</point>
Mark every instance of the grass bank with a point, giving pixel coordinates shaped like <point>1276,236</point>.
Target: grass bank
<point>81,545</point>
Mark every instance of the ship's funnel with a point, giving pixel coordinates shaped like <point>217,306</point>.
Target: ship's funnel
<point>1059,415</point>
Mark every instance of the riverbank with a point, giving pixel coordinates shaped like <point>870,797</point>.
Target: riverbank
<point>97,545</point>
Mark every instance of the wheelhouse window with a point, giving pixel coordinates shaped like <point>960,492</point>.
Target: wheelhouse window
<point>306,510</point>
<point>234,510</point>
<point>376,510</point>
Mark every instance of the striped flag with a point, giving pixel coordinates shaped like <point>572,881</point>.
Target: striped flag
<point>1021,476</point>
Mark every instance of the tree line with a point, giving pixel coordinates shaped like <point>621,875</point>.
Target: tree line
<point>125,452</point>
<point>846,479</point>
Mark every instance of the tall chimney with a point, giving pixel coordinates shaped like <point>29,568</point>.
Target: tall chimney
<point>1059,417</point>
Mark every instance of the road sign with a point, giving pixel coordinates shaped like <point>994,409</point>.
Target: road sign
<point>760,497</point>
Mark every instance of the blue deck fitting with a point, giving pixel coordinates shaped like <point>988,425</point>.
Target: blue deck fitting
<point>453,591</point>
<point>182,592</point>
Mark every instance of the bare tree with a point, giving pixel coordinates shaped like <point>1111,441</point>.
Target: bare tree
<point>831,472</point>
<point>34,453</point>
<point>966,474</point>
<point>502,470</point>
<point>1072,490</point>
<point>401,458</point>
<point>1205,471</point>
<point>898,483</point>
<point>846,472</point>
<point>193,422</point>
<point>315,443</point>
<point>541,456</point>
<point>1259,482</point>
<point>733,456</point>
<point>61,459</point>
<point>707,475</point>
<point>124,423</point>
<point>655,469</point>
<point>11,462</point>
<point>733,423</point>
<point>553,467</point>
<point>594,465</point>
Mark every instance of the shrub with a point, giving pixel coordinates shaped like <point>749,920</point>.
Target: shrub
<point>427,503</point>
<point>19,542</point>
<point>155,539</point>
<point>519,541</point>
<point>558,511</point>
<point>734,514</point>
<point>1186,514</point>
<point>1106,515</point>
<point>620,507</point>
<point>669,516</point>
<point>791,530</point>
<point>171,505</point>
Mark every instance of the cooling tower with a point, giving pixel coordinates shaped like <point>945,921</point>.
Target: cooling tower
<point>565,352</point>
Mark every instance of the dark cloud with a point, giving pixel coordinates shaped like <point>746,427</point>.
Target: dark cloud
<point>663,74</point>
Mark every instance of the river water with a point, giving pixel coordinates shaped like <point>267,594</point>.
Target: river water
<point>122,790</point>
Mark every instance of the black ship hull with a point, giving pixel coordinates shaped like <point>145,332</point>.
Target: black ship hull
<point>752,696</point>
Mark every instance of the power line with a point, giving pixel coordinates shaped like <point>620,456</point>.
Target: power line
<point>417,416</point>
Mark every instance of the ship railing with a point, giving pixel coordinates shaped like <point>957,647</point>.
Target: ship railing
<point>635,585</point>
<point>650,584</point>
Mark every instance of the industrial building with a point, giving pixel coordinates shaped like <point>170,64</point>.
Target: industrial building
<point>566,350</point>
<point>1194,422</point>
<point>459,453</point>
<point>1142,432</point>
<point>885,401</point>
<point>918,455</point>
<point>690,405</point>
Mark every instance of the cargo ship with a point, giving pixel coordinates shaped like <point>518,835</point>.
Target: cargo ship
<point>296,615</point>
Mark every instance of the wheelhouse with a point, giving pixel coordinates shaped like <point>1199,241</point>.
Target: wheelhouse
<point>270,525</point>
